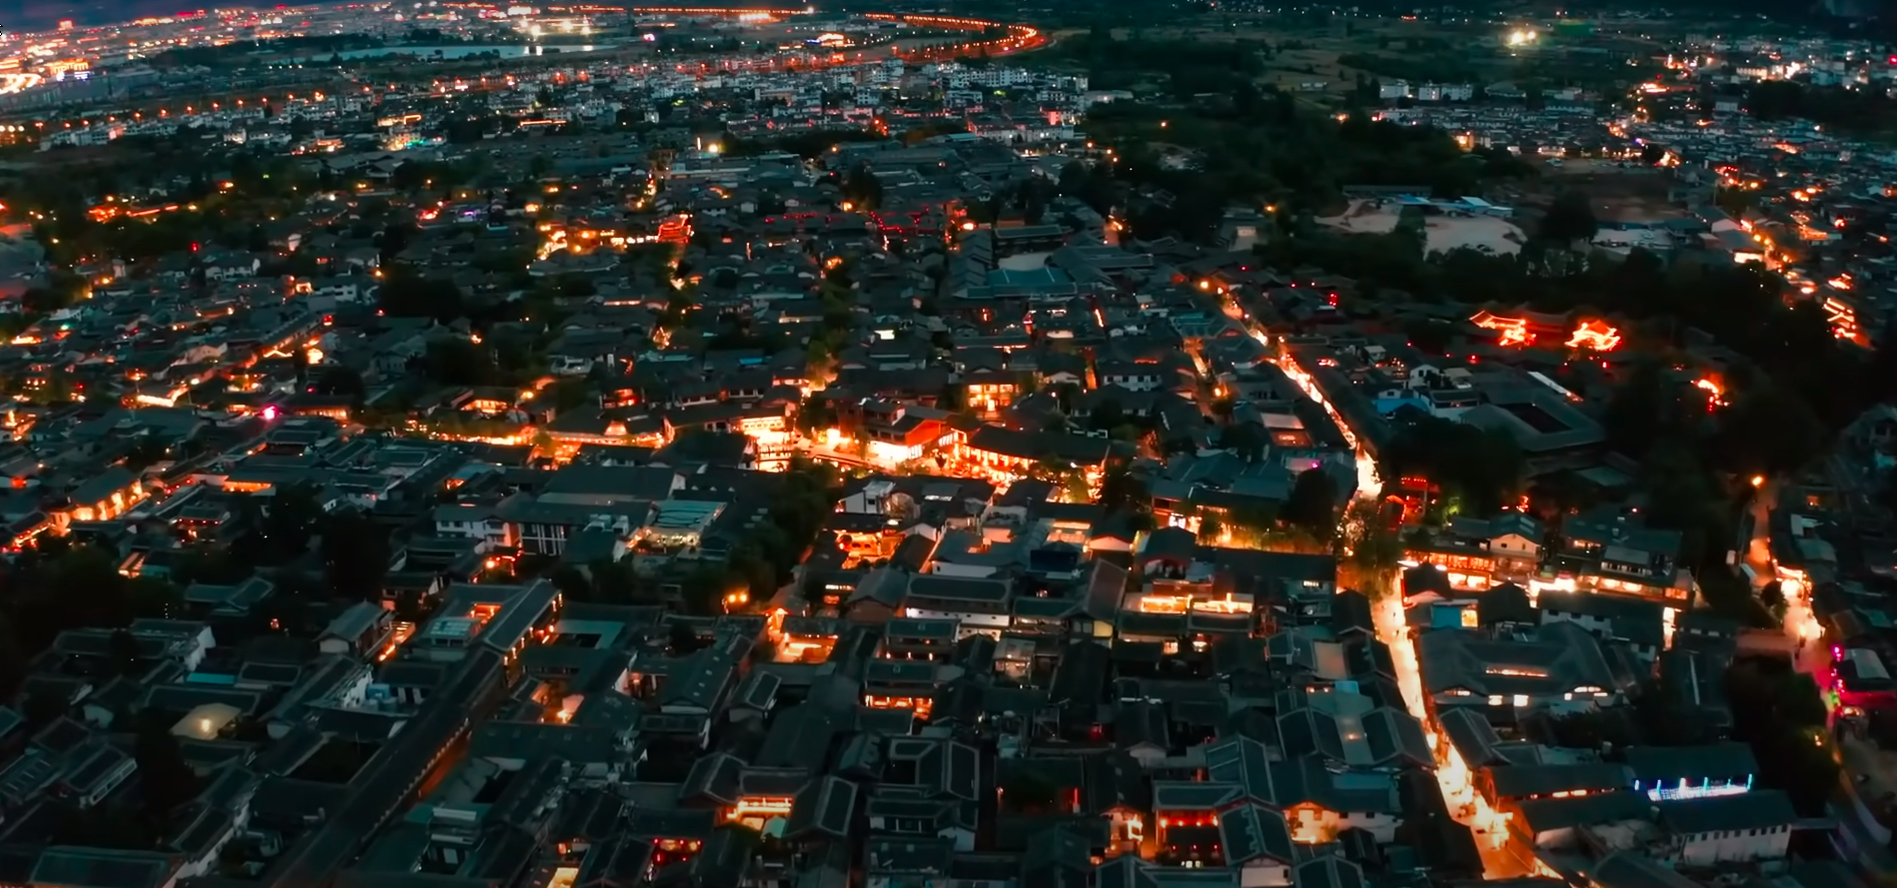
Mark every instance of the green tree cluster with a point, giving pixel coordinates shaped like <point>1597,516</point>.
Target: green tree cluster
<point>1478,470</point>
<point>1780,714</point>
<point>762,562</point>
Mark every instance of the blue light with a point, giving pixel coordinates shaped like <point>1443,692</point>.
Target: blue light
<point>1706,789</point>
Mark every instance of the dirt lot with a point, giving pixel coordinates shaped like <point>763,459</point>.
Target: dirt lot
<point>1442,233</point>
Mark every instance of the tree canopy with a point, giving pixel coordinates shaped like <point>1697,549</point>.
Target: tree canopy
<point>1478,470</point>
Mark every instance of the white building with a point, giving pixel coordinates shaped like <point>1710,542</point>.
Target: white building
<point>1727,829</point>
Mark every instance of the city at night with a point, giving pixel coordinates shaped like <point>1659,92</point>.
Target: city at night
<point>981,444</point>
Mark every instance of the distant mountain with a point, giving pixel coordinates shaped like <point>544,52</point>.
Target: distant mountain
<point>39,15</point>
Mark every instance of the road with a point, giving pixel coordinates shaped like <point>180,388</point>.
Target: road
<point>1813,655</point>
<point>1369,484</point>
<point>1453,778</point>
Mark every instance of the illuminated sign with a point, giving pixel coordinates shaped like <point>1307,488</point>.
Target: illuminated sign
<point>1514,331</point>
<point>1595,336</point>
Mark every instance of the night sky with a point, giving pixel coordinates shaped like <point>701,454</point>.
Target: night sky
<point>42,14</point>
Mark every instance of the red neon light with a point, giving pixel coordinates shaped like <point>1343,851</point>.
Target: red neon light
<point>1514,331</point>
<point>1715,392</point>
<point>1595,336</point>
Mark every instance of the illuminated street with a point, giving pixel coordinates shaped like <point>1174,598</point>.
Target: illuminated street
<point>1453,777</point>
<point>1369,484</point>
<point>508,422</point>
<point>1811,655</point>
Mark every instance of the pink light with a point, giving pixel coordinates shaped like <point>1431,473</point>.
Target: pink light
<point>269,413</point>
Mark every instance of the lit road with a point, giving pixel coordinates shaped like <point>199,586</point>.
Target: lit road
<point>1369,484</point>
<point>1811,656</point>
<point>1453,777</point>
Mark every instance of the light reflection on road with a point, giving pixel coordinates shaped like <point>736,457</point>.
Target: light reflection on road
<point>1453,776</point>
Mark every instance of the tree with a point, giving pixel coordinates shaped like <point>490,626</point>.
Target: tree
<point>1119,488</point>
<point>457,361</point>
<point>41,709</point>
<point>1665,719</point>
<point>1591,730</point>
<point>337,380</point>
<point>1071,479</point>
<point>1373,550</point>
<point>1210,528</point>
<point>571,393</point>
<point>704,589</point>
<point>683,639</point>
<point>406,294</point>
<point>1772,595</point>
<point>1025,790</point>
<point>1569,218</point>
<point>122,649</point>
<point>278,529</point>
<point>393,240</point>
<point>1312,506</point>
<point>1881,374</point>
<point>1780,713</point>
<point>1246,439</point>
<point>164,778</point>
<point>1477,469</point>
<point>815,414</point>
<point>355,553</point>
<point>862,188</point>
<point>1650,405</point>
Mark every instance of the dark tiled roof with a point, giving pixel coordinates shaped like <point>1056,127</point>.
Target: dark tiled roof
<point>1253,832</point>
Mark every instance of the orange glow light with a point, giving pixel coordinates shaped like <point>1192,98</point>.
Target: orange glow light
<point>1514,331</point>
<point>1595,336</point>
<point>1715,393</point>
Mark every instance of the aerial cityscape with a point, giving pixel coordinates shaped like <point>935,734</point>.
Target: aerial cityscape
<point>987,444</point>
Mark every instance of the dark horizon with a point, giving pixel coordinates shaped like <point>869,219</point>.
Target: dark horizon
<point>41,15</point>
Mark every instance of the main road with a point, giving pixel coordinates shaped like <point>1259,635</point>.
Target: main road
<point>1453,778</point>
<point>1810,653</point>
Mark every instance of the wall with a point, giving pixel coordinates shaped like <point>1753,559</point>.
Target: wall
<point>1706,849</point>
